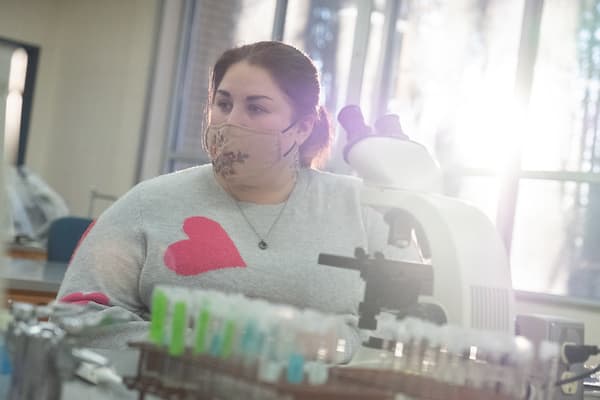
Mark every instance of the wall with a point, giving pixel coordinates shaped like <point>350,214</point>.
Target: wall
<point>33,21</point>
<point>162,87</point>
<point>91,91</point>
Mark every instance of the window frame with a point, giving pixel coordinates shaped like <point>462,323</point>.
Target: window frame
<point>33,55</point>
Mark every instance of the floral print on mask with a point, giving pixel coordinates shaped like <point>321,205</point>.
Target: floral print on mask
<point>251,157</point>
<point>225,163</point>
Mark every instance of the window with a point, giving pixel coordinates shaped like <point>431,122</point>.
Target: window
<point>343,37</point>
<point>211,27</point>
<point>511,114</point>
<point>558,204</point>
<point>324,29</point>
<point>332,32</point>
<point>513,121</point>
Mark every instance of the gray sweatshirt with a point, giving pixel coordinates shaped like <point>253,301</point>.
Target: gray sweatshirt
<point>184,229</point>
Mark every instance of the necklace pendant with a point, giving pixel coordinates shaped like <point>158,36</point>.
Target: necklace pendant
<point>262,245</point>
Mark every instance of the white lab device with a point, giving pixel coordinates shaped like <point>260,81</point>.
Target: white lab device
<point>392,162</point>
<point>471,274</point>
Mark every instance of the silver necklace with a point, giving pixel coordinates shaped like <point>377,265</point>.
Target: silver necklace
<point>262,243</point>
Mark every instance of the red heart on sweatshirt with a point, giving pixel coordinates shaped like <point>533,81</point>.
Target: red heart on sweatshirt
<point>208,248</point>
<point>84,298</point>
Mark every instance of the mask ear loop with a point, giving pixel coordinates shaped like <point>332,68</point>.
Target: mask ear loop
<point>290,126</point>
<point>295,143</point>
<point>297,153</point>
<point>290,150</point>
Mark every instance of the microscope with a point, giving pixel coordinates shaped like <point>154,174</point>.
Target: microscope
<point>465,277</point>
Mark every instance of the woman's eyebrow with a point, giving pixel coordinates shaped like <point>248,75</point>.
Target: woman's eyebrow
<point>258,97</point>
<point>254,97</point>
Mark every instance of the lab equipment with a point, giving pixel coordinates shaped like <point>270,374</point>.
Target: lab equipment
<point>32,204</point>
<point>394,285</point>
<point>471,274</point>
<point>565,332</point>
<point>236,347</point>
<point>387,158</point>
<point>471,281</point>
<point>44,354</point>
<point>203,342</point>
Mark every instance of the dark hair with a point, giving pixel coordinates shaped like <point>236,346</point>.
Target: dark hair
<point>297,76</point>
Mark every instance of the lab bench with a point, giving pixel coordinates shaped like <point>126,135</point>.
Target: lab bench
<point>33,281</point>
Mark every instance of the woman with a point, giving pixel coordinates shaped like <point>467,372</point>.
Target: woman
<point>253,222</point>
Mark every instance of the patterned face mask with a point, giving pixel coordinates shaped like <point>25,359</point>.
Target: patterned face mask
<point>249,158</point>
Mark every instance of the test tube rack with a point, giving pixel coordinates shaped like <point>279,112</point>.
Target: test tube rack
<point>205,377</point>
<point>412,385</point>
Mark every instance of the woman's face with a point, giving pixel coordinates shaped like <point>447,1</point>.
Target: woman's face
<point>249,97</point>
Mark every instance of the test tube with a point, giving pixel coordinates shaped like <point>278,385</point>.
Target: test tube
<point>431,344</point>
<point>415,349</point>
<point>290,351</point>
<point>159,311</point>
<point>521,358</point>
<point>261,351</point>
<point>456,346</point>
<point>490,355</point>
<point>402,338</point>
<point>324,332</point>
<point>233,384</point>
<point>386,327</point>
<point>151,361</point>
<point>197,374</point>
<point>215,341</point>
<point>501,369</point>
<point>549,355</point>
<point>443,363</point>
<point>202,310</point>
<point>234,318</point>
<point>178,319</point>
<point>474,363</point>
<point>276,346</point>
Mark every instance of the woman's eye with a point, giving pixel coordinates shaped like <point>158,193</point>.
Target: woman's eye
<point>224,106</point>
<point>254,109</point>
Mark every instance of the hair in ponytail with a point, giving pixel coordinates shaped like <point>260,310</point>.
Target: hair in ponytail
<point>297,76</point>
<point>315,150</point>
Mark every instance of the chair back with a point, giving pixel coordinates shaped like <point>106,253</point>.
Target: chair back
<point>64,235</point>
